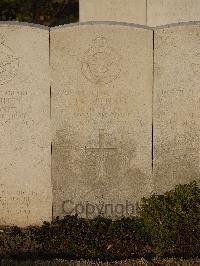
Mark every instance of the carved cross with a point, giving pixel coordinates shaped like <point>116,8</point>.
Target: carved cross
<point>102,150</point>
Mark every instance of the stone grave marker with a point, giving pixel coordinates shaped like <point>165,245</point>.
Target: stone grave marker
<point>132,11</point>
<point>176,105</point>
<point>161,12</point>
<point>101,117</point>
<point>25,169</point>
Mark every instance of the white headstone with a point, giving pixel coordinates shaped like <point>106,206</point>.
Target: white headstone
<point>161,12</point>
<point>133,11</point>
<point>145,12</point>
<point>176,106</point>
<point>25,169</point>
<point>101,116</point>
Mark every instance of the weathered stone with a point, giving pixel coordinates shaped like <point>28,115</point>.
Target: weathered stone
<point>133,11</point>
<point>145,12</point>
<point>161,12</point>
<point>101,116</point>
<point>176,106</point>
<point>25,177</point>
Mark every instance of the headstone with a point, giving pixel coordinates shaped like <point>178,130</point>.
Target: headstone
<point>161,12</point>
<point>145,12</point>
<point>176,106</point>
<point>101,118</point>
<point>133,11</point>
<point>25,176</point>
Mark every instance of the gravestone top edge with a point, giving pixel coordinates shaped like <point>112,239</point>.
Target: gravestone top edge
<point>93,23</point>
<point>109,23</point>
<point>178,24</point>
<point>26,24</point>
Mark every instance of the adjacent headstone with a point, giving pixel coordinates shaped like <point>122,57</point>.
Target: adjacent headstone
<point>161,12</point>
<point>176,106</point>
<point>25,176</point>
<point>145,12</point>
<point>101,118</point>
<point>133,11</point>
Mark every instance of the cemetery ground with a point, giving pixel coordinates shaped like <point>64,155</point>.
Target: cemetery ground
<point>166,232</point>
<point>142,262</point>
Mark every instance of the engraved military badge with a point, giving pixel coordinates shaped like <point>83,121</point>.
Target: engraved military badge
<point>101,63</point>
<point>9,63</point>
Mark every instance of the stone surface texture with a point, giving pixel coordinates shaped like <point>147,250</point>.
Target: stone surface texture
<point>113,10</point>
<point>101,115</point>
<point>25,176</point>
<point>145,12</point>
<point>176,106</point>
<point>161,12</point>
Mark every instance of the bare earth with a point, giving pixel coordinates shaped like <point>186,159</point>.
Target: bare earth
<point>168,262</point>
